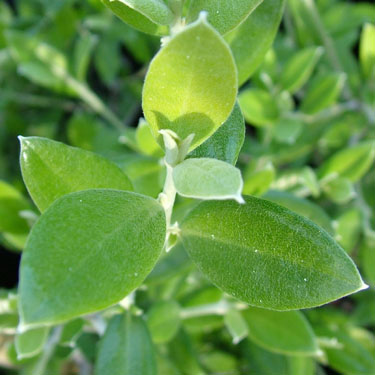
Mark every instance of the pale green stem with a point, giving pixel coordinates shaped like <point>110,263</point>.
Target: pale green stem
<point>48,351</point>
<point>168,196</point>
<point>90,98</point>
<point>327,42</point>
<point>327,113</point>
<point>218,308</point>
<point>38,100</point>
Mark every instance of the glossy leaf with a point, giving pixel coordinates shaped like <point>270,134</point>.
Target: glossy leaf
<point>31,343</point>
<point>258,107</point>
<point>251,40</point>
<point>52,169</point>
<point>367,50</point>
<point>138,19</point>
<point>351,163</point>
<point>163,321</point>
<point>226,143</point>
<point>11,204</point>
<point>286,332</point>
<point>126,348</point>
<point>299,68</point>
<point>191,84</point>
<point>87,252</point>
<point>267,256</point>
<point>208,179</point>
<point>223,15</point>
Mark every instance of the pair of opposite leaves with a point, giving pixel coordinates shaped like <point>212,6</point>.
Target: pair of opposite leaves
<point>92,247</point>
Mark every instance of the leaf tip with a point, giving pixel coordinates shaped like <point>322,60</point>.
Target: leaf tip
<point>239,199</point>
<point>203,15</point>
<point>363,286</point>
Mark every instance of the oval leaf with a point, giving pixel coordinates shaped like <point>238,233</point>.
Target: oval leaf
<point>11,204</point>
<point>163,321</point>
<point>299,68</point>
<point>251,40</point>
<point>226,143</point>
<point>268,256</point>
<point>258,107</point>
<point>191,84</point>
<point>208,179</point>
<point>136,19</point>
<point>286,332</point>
<point>323,92</point>
<point>88,251</point>
<point>351,163</point>
<point>31,343</point>
<point>224,15</point>
<point>51,169</point>
<point>126,348</point>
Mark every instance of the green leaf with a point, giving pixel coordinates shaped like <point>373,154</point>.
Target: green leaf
<point>323,92</point>
<point>301,206</point>
<point>267,256</point>
<point>87,252</point>
<point>145,140</point>
<point>287,130</point>
<point>339,190</point>
<point>351,163</point>
<point>126,348</point>
<point>191,85</point>
<point>39,61</point>
<point>71,332</point>
<point>367,252</point>
<point>367,50</point>
<point>251,40</point>
<point>163,320</point>
<point>147,174</point>
<point>226,143</point>
<point>31,343</point>
<point>236,325</point>
<point>351,358</point>
<point>52,169</point>
<point>142,14</point>
<point>208,179</point>
<point>11,204</point>
<point>8,323</point>
<point>301,365</point>
<point>258,107</point>
<point>258,178</point>
<point>299,68</point>
<point>348,227</point>
<point>286,332</point>
<point>82,54</point>
<point>264,362</point>
<point>222,14</point>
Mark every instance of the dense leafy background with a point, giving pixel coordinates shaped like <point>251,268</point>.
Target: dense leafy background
<point>73,72</point>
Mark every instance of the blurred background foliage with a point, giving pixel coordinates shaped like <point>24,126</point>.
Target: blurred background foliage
<point>71,71</point>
